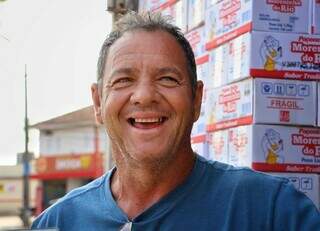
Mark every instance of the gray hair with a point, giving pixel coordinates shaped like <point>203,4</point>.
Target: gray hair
<point>148,21</point>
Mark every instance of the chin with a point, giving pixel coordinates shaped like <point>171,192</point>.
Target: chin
<point>151,157</point>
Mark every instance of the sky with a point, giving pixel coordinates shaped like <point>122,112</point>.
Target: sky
<point>59,42</point>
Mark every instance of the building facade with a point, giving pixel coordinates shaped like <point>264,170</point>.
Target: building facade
<point>73,151</point>
<point>11,190</point>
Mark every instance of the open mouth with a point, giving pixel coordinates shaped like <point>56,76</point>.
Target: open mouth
<point>147,123</point>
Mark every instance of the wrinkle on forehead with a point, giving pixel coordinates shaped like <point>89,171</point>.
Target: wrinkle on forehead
<point>134,57</point>
<point>153,45</point>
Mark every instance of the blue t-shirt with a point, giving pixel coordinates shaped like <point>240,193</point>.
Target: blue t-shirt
<point>215,197</point>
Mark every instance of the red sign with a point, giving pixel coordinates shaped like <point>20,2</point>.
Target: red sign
<point>66,166</point>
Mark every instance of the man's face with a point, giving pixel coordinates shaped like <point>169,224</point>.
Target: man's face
<point>146,103</point>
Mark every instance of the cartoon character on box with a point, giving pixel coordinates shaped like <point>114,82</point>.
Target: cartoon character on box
<point>272,145</point>
<point>270,52</point>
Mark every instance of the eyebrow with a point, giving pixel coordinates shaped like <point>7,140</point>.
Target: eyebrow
<point>124,70</point>
<point>132,71</point>
<point>166,70</point>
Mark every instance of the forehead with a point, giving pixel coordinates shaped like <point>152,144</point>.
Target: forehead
<point>146,45</point>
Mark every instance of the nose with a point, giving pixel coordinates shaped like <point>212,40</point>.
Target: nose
<point>144,93</point>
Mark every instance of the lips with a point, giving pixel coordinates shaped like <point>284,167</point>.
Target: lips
<point>147,123</point>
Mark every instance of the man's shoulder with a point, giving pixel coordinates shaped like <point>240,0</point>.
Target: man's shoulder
<point>240,176</point>
<point>83,191</point>
<point>246,183</point>
<point>73,202</point>
<point>274,201</point>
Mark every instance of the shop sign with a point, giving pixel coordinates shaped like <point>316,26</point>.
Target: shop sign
<point>68,165</point>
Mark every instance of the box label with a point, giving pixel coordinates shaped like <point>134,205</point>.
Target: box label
<point>285,102</point>
<point>284,6</point>
<point>196,39</point>
<point>229,106</point>
<point>290,56</point>
<point>239,141</point>
<point>218,146</point>
<point>286,149</point>
<point>228,19</point>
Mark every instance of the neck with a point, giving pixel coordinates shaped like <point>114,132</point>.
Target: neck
<point>137,188</point>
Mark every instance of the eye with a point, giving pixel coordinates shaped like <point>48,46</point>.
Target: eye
<point>122,82</point>
<point>169,81</point>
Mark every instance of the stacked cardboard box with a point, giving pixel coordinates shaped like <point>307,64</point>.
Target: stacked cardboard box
<point>196,13</point>
<point>151,5</point>
<point>260,63</point>
<point>316,17</point>
<point>261,101</point>
<point>266,54</point>
<point>177,10</point>
<point>227,19</point>
<point>269,40</point>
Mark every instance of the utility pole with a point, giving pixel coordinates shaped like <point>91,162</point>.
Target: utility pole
<point>26,167</point>
<point>120,7</point>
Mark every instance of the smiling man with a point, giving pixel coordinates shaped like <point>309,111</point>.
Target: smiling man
<point>148,98</point>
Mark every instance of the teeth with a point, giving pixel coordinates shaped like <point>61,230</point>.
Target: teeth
<point>148,120</point>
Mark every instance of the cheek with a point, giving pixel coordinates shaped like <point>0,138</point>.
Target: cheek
<point>109,108</point>
<point>181,102</point>
<point>113,104</point>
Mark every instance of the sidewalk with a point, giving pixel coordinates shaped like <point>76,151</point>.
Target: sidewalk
<point>10,222</point>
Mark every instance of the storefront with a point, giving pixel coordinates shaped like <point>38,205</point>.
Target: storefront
<point>60,174</point>
<point>73,151</point>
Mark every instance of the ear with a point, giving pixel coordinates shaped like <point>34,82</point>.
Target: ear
<point>197,100</point>
<point>96,102</point>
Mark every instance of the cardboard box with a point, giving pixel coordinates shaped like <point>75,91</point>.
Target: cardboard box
<point>318,104</point>
<point>218,66</point>
<point>291,102</point>
<point>229,106</point>
<point>316,17</point>
<point>211,3</point>
<point>218,146</point>
<point>277,148</point>
<point>239,142</point>
<point>262,101</point>
<point>306,183</point>
<point>269,148</point>
<point>196,39</point>
<point>178,11</point>
<point>228,19</point>
<point>290,56</point>
<point>285,149</point>
<point>203,71</point>
<point>267,55</point>
<point>196,13</point>
<point>151,5</point>
<point>230,62</point>
<point>200,145</point>
<point>199,127</point>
